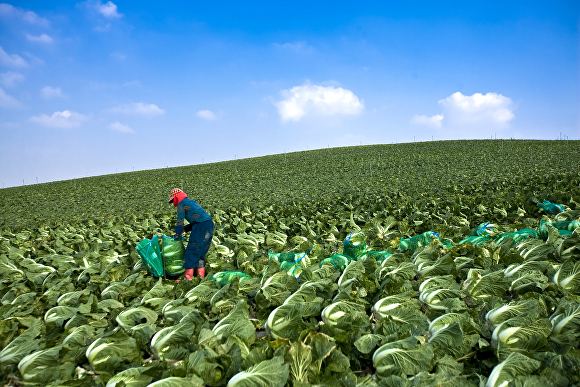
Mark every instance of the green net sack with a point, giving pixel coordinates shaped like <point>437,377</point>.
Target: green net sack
<point>339,261</point>
<point>354,245</point>
<point>151,255</point>
<point>484,229</point>
<point>551,208</point>
<point>518,236</point>
<point>301,258</point>
<point>474,240</point>
<point>413,243</point>
<point>287,257</point>
<point>447,243</point>
<point>293,269</point>
<point>173,253</point>
<point>225,277</point>
<point>378,256</point>
<point>564,228</point>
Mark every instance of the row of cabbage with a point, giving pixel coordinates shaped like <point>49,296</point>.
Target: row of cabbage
<point>438,313</point>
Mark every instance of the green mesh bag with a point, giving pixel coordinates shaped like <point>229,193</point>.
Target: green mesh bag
<point>301,258</point>
<point>413,243</point>
<point>225,277</point>
<point>291,268</point>
<point>378,256</point>
<point>474,240</point>
<point>173,253</point>
<point>484,229</point>
<point>551,208</point>
<point>354,245</point>
<point>517,236</point>
<point>286,257</point>
<point>339,261</point>
<point>564,228</point>
<point>151,256</point>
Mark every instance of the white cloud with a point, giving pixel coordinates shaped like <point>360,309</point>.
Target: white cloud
<point>33,59</point>
<point>119,127</point>
<point>43,38</point>
<point>7,101</point>
<point>433,121</point>
<point>7,10</point>
<point>10,78</point>
<point>478,108</point>
<point>63,120</point>
<point>109,10</point>
<point>49,92</point>
<point>146,109</point>
<point>206,114</point>
<point>319,100</point>
<point>295,46</point>
<point>11,60</point>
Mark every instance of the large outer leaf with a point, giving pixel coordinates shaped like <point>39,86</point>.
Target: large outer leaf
<point>175,381</point>
<point>306,296</point>
<point>269,373</point>
<point>171,343</point>
<point>566,325</point>
<point>286,321</point>
<point>59,314</point>
<point>131,377</point>
<point>108,353</point>
<point>405,317</point>
<point>134,316</point>
<point>43,366</point>
<point>237,323</point>
<point>366,343</point>
<point>568,276</point>
<point>522,334</point>
<point>515,364</point>
<point>528,308</point>
<point>492,284</point>
<point>403,357</point>
<point>22,345</point>
<point>77,342</point>
<point>301,355</point>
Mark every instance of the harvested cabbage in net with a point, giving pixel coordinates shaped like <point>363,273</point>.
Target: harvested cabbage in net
<point>173,252</point>
<point>517,236</point>
<point>354,245</point>
<point>225,277</point>
<point>287,257</point>
<point>564,228</point>
<point>378,256</point>
<point>484,229</point>
<point>474,240</point>
<point>151,255</point>
<point>291,268</point>
<point>413,243</point>
<point>339,261</point>
<point>422,240</point>
<point>551,208</point>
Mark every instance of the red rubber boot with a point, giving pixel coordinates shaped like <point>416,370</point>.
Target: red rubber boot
<point>189,274</point>
<point>201,272</point>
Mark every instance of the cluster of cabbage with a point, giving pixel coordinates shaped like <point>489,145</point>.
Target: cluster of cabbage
<point>498,311</point>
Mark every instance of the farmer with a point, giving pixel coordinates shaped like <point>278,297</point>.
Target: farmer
<point>201,227</point>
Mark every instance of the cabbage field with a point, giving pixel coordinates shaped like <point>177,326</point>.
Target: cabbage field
<point>453,263</point>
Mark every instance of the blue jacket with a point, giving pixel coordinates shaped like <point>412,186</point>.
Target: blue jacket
<point>190,210</point>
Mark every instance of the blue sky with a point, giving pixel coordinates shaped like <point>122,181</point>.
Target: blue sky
<point>94,87</point>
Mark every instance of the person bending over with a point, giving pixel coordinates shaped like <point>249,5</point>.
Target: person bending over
<point>201,229</point>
